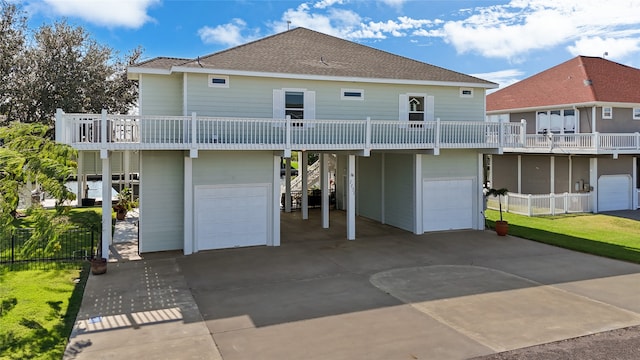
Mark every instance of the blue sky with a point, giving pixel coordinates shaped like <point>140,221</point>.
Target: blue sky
<point>501,41</point>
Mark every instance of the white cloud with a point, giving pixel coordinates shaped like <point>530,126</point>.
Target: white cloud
<point>129,14</point>
<point>227,34</point>
<point>503,78</point>
<point>597,46</point>
<point>327,3</point>
<point>336,22</point>
<point>511,31</point>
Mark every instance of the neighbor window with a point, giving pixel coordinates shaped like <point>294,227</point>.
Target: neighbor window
<point>607,112</point>
<point>556,121</point>
<point>466,92</point>
<point>416,108</point>
<point>352,94</point>
<point>218,81</point>
<point>636,113</point>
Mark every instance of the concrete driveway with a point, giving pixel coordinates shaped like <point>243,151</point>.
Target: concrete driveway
<point>387,295</point>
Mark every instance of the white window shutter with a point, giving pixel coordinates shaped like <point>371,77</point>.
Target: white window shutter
<point>429,111</point>
<point>309,105</point>
<point>278,104</point>
<point>403,108</point>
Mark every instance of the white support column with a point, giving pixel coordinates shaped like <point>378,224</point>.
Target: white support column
<point>570,174</point>
<point>479,225</point>
<point>275,222</point>
<point>189,246</point>
<point>80,179</point>
<point>324,188</point>
<point>417,199</point>
<point>106,202</point>
<point>287,185</point>
<point>519,174</point>
<point>634,181</point>
<point>382,190</point>
<point>303,158</point>
<point>552,172</point>
<point>127,171</point>
<point>593,182</point>
<point>351,197</point>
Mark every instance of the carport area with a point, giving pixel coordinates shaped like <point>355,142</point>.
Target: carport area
<point>389,294</point>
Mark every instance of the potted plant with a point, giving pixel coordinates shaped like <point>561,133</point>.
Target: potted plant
<point>123,204</point>
<point>502,227</point>
<point>98,263</point>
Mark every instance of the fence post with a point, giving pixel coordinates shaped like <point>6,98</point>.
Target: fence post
<point>566,202</point>
<point>529,209</point>
<point>13,246</point>
<point>552,203</point>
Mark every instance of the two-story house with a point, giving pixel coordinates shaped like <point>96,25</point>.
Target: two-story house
<point>582,141</point>
<point>409,139</point>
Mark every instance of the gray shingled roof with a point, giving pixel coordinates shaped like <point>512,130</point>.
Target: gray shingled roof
<point>307,52</point>
<point>161,63</point>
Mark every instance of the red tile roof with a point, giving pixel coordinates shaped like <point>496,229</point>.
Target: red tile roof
<point>580,80</point>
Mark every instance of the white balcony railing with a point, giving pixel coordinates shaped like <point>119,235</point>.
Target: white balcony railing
<point>543,204</point>
<point>84,131</point>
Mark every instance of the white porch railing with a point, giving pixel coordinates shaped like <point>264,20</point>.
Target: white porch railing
<point>545,204</point>
<point>83,131</point>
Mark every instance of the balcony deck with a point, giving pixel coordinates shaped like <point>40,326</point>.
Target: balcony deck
<point>126,132</point>
<point>581,143</point>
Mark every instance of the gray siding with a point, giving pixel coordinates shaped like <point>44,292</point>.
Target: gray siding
<point>609,166</point>
<point>504,170</point>
<point>161,201</point>
<point>399,195</point>
<point>622,121</point>
<point>369,186</point>
<point>536,172</point>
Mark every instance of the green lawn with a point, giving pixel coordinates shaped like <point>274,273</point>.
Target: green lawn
<point>38,310</point>
<point>598,234</point>
<point>38,307</point>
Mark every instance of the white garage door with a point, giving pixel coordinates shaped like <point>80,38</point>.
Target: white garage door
<point>447,204</point>
<point>231,216</point>
<point>614,192</point>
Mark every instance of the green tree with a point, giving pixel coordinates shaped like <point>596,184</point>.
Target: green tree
<point>26,155</point>
<point>61,67</point>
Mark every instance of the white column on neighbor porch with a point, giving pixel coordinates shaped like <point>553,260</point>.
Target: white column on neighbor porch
<point>519,174</point>
<point>106,202</point>
<point>351,197</point>
<point>80,179</point>
<point>417,181</point>
<point>287,185</point>
<point>324,188</point>
<point>552,172</point>
<point>634,181</point>
<point>593,182</point>
<point>275,210</point>
<point>303,158</point>
<point>188,233</point>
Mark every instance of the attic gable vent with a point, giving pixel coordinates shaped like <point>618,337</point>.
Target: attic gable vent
<point>218,81</point>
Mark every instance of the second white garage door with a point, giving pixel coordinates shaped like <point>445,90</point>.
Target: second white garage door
<point>447,204</point>
<point>614,192</point>
<point>231,216</point>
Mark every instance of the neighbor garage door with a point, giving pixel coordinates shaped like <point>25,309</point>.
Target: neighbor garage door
<point>231,216</point>
<point>447,204</point>
<point>614,192</point>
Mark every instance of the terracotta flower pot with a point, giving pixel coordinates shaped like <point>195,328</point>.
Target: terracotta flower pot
<point>502,227</point>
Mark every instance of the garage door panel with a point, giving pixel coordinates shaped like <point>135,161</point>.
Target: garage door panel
<point>614,192</point>
<point>447,204</point>
<point>231,216</point>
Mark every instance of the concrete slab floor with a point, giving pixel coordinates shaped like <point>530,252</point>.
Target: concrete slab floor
<point>388,295</point>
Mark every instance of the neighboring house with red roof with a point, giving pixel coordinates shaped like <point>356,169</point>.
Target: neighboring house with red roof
<point>582,119</point>
<point>409,139</point>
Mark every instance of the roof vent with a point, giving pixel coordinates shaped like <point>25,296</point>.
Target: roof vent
<point>587,82</point>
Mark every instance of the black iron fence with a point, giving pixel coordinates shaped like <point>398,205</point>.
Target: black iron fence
<point>21,249</point>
